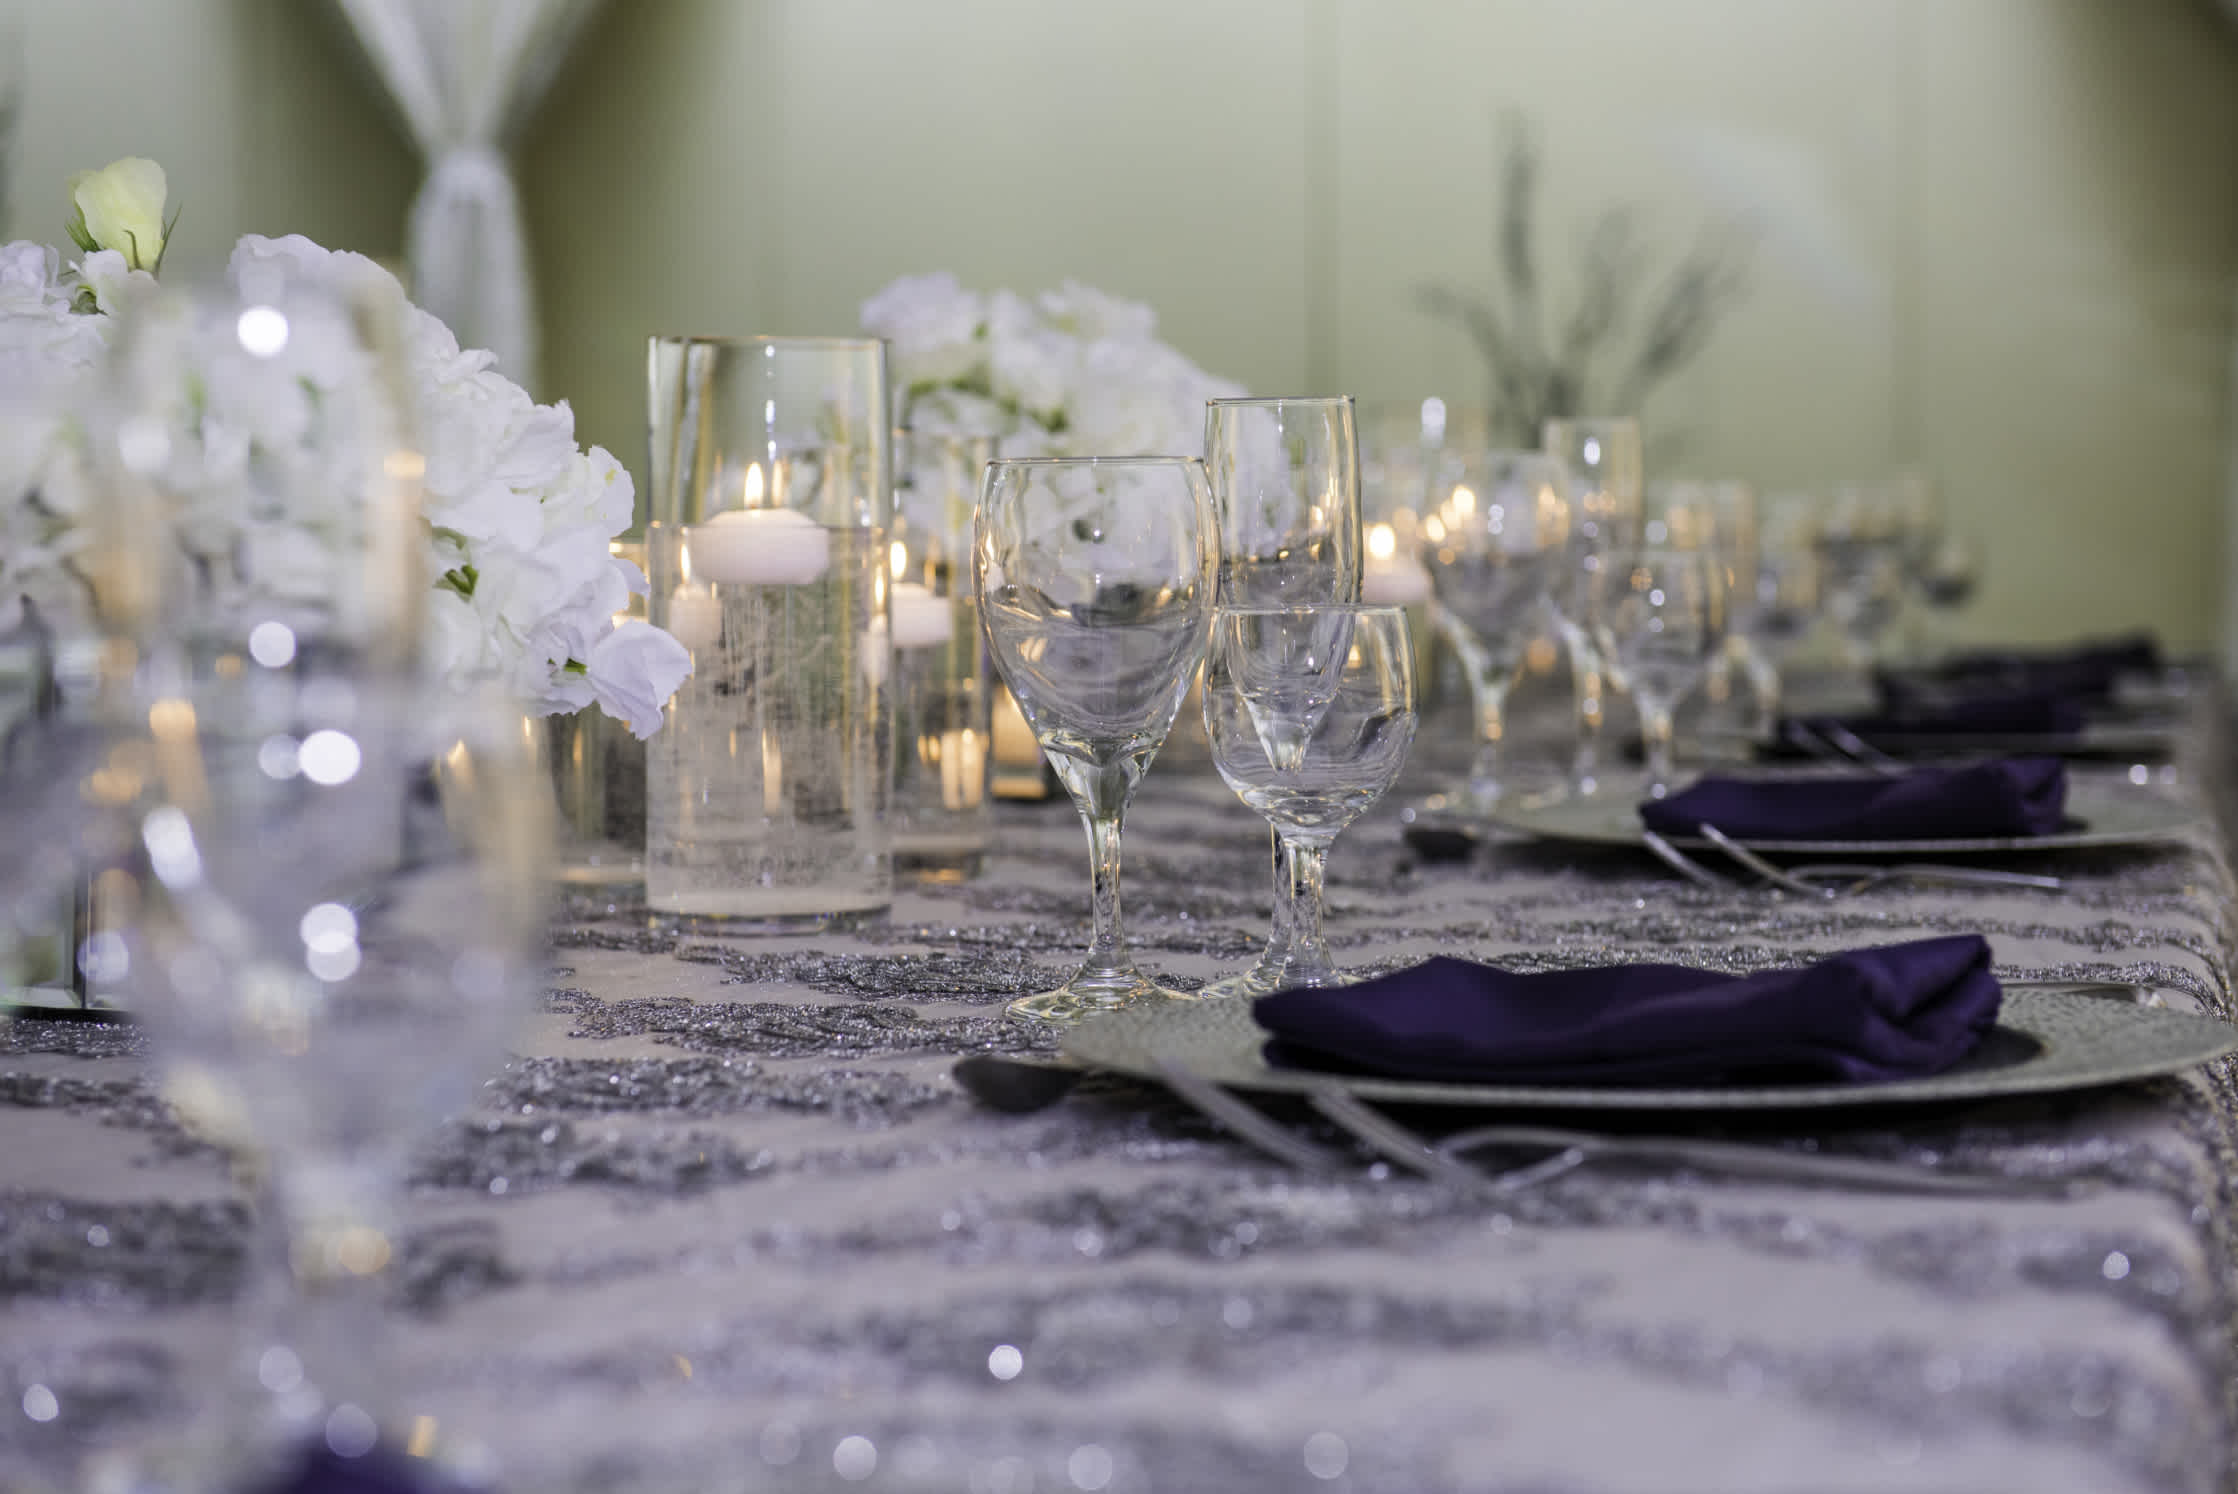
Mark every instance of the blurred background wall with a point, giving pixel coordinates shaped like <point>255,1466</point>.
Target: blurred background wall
<point>1994,239</point>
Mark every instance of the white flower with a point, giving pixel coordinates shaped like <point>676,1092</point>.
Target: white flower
<point>112,281</point>
<point>120,208</point>
<point>633,672</point>
<point>1089,313</point>
<point>271,450</point>
<point>932,326</point>
<point>1072,372</point>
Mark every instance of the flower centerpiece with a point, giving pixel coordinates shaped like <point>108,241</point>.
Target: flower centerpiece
<point>518,519</point>
<point>1072,372</point>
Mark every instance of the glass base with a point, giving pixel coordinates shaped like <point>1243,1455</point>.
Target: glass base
<point>751,926</point>
<point>939,858</point>
<point>1086,994</point>
<point>1270,976</point>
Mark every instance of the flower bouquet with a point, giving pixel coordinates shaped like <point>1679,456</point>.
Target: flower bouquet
<point>1072,372</point>
<point>524,587</point>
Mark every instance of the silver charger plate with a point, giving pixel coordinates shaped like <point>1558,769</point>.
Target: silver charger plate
<point>2048,1038</point>
<point>2104,814</point>
<point>2097,739</point>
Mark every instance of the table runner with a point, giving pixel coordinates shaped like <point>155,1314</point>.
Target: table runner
<point>729,1225</point>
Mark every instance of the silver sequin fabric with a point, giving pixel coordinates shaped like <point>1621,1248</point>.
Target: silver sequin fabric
<point>727,1223</point>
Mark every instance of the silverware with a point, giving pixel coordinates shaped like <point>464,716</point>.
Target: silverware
<point>1833,879</point>
<point>1019,1086</point>
<point>1830,741</point>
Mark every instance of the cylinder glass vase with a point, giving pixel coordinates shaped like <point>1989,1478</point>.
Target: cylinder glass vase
<point>943,737</point>
<point>768,792</point>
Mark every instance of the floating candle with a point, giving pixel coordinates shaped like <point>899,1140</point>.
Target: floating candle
<point>1394,581</point>
<point>759,547</point>
<point>963,769</point>
<point>695,617</point>
<point>921,619</point>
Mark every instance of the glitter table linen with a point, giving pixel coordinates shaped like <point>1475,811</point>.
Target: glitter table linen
<point>729,1224</point>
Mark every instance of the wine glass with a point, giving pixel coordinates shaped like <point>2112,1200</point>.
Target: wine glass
<point>1285,476</point>
<point>1950,572</point>
<point>1310,711</point>
<point>1096,578</point>
<point>331,911</point>
<point>1601,456</point>
<point>1496,544</point>
<point>1865,560</point>
<point>1663,615</point>
<point>1720,515</point>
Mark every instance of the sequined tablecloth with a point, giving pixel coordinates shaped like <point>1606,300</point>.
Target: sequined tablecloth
<point>729,1225</point>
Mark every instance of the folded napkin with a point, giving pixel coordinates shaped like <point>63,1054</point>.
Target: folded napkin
<point>2087,669</point>
<point>1896,1012</point>
<point>2008,796</point>
<point>319,1471</point>
<point>1909,710</point>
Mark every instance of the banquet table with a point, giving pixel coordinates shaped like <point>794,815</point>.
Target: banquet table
<point>728,1222</point>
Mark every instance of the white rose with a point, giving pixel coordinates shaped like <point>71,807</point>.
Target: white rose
<point>120,207</point>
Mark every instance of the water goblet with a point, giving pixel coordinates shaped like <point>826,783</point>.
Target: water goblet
<point>1602,458</point>
<point>1865,560</point>
<point>1310,711</point>
<point>1663,615</point>
<point>329,909</point>
<point>1496,544</point>
<point>1096,578</point>
<point>1285,476</point>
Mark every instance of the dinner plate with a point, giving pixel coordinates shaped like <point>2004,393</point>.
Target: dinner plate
<point>2049,1037</point>
<point>2099,815</point>
<point>2119,740</point>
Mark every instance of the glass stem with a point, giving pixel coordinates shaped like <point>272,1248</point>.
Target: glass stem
<point>1107,949</point>
<point>1278,930</point>
<point>1655,736</point>
<point>1306,860</point>
<point>1585,671</point>
<point>1491,693</point>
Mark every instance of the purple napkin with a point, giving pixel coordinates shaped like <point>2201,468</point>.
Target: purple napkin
<point>318,1471</point>
<point>2086,669</point>
<point>1909,710</point>
<point>2002,797</point>
<point>1897,1012</point>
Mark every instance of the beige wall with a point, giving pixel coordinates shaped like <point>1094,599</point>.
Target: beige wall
<point>1995,236</point>
<point>247,103</point>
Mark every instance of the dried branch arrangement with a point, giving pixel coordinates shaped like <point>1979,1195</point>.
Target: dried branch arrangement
<point>1627,329</point>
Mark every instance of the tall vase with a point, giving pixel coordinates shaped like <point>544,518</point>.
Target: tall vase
<point>768,792</point>
<point>943,695</point>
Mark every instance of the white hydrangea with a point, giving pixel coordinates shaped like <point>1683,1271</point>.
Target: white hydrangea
<point>1071,372</point>
<point>262,465</point>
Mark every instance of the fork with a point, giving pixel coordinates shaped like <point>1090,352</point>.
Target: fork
<point>1832,742</point>
<point>1850,877</point>
<point>1446,1161</point>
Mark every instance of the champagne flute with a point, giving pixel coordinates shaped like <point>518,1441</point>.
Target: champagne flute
<point>1285,476</point>
<point>1496,544</point>
<point>1663,615</point>
<point>1601,456</point>
<point>1096,578</point>
<point>1310,711</point>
